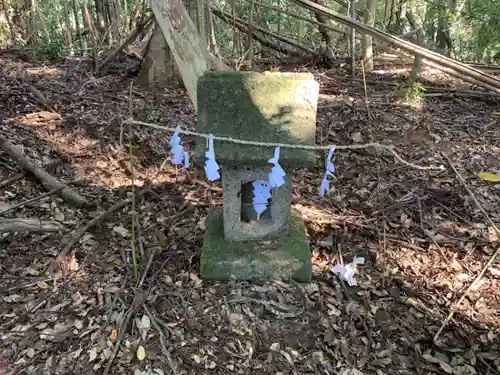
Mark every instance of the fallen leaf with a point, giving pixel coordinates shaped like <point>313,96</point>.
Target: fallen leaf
<point>356,137</point>
<point>13,298</point>
<point>145,322</point>
<point>489,176</point>
<point>158,371</point>
<point>430,358</point>
<point>446,367</point>
<point>113,335</point>
<point>121,230</point>
<point>92,354</point>
<point>141,353</point>
<point>31,271</point>
<point>275,346</point>
<point>457,267</point>
<point>30,352</point>
<point>143,325</point>
<point>58,215</point>
<point>77,353</point>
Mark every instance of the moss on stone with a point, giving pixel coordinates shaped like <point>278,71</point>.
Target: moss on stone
<point>262,107</point>
<point>288,256</point>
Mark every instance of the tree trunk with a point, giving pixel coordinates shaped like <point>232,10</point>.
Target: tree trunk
<point>8,22</point>
<point>368,39</point>
<point>79,29</point>
<point>212,40</point>
<point>190,54</point>
<point>352,14</point>
<point>400,18</point>
<point>159,68</point>
<point>101,23</point>
<point>325,33</point>
<point>249,46</point>
<point>443,40</point>
<point>387,13</point>
<point>417,61</point>
<point>67,27</point>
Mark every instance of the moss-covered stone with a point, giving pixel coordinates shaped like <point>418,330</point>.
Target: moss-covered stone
<point>263,107</point>
<point>288,256</point>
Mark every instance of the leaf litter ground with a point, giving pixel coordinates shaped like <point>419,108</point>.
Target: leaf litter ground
<point>422,238</point>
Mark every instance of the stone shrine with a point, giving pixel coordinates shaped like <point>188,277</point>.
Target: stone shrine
<point>262,107</point>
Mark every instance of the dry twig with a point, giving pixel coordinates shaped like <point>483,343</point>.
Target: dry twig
<point>136,304</point>
<point>45,178</point>
<point>48,194</point>
<point>12,179</point>
<point>162,340</point>
<point>30,225</point>
<point>79,234</point>
<point>486,266</point>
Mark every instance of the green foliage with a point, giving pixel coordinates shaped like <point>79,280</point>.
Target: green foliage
<point>468,30</point>
<point>412,92</point>
<point>53,49</point>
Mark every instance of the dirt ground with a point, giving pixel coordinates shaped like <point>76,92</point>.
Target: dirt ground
<point>422,237</point>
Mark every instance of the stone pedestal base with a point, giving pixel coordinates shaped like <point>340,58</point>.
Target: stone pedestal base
<point>287,256</point>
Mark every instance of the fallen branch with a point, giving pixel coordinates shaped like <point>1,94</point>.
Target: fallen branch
<point>45,178</point>
<point>299,17</point>
<point>136,304</point>
<point>80,232</point>
<point>165,351</point>
<point>48,194</point>
<point>433,90</point>
<point>243,26</point>
<point>40,97</point>
<point>132,36</point>
<point>368,331</point>
<point>29,225</point>
<point>12,179</point>
<point>486,266</point>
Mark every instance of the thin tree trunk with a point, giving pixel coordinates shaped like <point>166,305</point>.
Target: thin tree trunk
<point>191,56</point>
<point>79,29</point>
<point>417,61</point>
<point>9,23</point>
<point>367,38</point>
<point>249,47</point>
<point>67,27</point>
<point>387,12</point>
<point>125,11</point>
<point>324,31</point>
<point>212,41</point>
<point>353,38</point>
<point>101,23</point>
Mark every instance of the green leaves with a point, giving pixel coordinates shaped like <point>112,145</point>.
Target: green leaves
<point>490,177</point>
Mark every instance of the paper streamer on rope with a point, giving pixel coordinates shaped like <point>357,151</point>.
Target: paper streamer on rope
<point>346,272</point>
<point>261,194</point>
<point>277,173</point>
<point>211,166</point>
<point>329,171</point>
<point>179,156</point>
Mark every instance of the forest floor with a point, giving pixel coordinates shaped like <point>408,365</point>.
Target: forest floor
<point>421,235</point>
